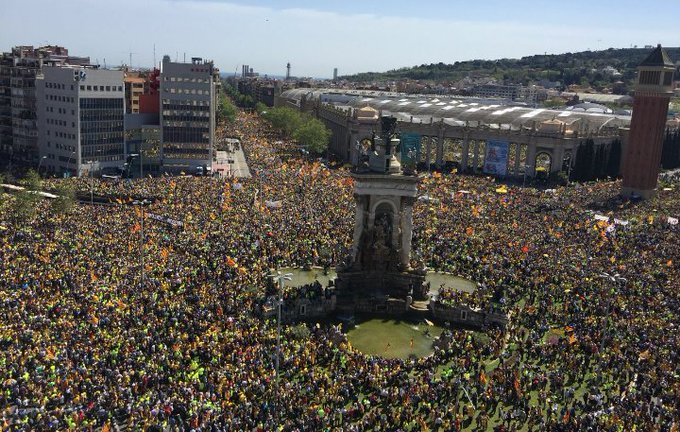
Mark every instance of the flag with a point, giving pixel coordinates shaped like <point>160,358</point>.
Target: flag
<point>572,339</point>
<point>136,228</point>
<point>482,377</point>
<point>230,262</point>
<point>525,249</point>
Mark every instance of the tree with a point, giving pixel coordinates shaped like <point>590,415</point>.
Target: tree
<point>313,135</point>
<point>227,111</point>
<point>285,120</point>
<point>66,198</point>
<point>614,161</point>
<point>32,181</point>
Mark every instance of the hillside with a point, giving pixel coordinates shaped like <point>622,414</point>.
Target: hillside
<point>568,68</point>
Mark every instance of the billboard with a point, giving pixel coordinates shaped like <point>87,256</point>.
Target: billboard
<point>410,148</point>
<point>496,158</point>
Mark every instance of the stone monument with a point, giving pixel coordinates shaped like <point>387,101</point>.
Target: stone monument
<point>377,276</point>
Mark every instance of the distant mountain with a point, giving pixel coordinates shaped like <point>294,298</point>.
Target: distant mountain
<point>597,68</point>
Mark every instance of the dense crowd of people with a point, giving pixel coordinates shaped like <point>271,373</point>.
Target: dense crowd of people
<point>92,340</point>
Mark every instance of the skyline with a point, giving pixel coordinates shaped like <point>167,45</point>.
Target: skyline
<point>317,37</point>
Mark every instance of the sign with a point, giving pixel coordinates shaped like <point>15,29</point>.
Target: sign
<point>167,220</point>
<point>496,158</point>
<point>410,148</point>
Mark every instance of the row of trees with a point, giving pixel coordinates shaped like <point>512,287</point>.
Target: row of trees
<point>670,153</point>
<point>241,100</point>
<point>309,132</point>
<point>596,162</point>
<point>24,203</point>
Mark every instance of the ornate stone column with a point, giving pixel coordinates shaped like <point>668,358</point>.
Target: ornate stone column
<point>359,220</point>
<point>406,230</point>
<point>464,156</point>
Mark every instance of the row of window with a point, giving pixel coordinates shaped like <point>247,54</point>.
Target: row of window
<point>58,122</point>
<point>101,103</point>
<point>173,90</point>
<point>185,79</point>
<point>169,104</point>
<point>59,110</point>
<point>58,86</point>
<point>58,98</point>
<point>101,88</point>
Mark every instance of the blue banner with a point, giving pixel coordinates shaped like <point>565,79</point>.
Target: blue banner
<point>496,158</point>
<point>410,148</point>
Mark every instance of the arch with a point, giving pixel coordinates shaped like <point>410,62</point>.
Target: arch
<point>381,207</point>
<point>453,151</point>
<point>543,162</point>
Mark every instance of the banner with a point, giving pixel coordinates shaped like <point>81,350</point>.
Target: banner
<point>410,148</point>
<point>167,220</point>
<point>496,158</point>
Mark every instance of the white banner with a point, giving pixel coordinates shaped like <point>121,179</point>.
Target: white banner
<point>273,204</point>
<point>173,222</point>
<point>672,220</point>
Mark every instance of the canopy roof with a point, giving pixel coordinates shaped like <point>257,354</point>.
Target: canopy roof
<point>455,111</point>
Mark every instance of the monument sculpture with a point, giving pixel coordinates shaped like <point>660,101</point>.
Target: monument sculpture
<point>378,265</point>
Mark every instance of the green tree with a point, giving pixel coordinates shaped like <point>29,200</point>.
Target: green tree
<point>227,110</point>
<point>313,135</point>
<point>32,181</point>
<point>66,198</point>
<point>285,120</point>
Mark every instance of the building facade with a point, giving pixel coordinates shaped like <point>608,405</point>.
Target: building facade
<point>653,90</point>
<point>80,118</point>
<point>18,118</point>
<point>188,100</point>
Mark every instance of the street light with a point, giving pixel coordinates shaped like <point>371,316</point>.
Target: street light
<point>280,278</point>
<point>141,205</point>
<point>615,279</point>
<point>40,163</point>
<point>137,155</point>
<point>91,163</point>
<point>73,153</point>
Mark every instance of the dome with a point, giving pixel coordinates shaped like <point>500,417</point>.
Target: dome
<point>590,107</point>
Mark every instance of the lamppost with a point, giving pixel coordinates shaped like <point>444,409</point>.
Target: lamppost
<point>73,153</point>
<point>615,279</point>
<point>526,167</point>
<point>280,279</point>
<point>137,155</point>
<point>141,205</point>
<point>90,164</point>
<point>40,163</point>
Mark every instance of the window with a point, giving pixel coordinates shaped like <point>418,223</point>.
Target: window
<point>120,88</point>
<point>82,87</point>
<point>108,88</point>
<point>650,77</point>
<point>89,88</point>
<point>668,78</point>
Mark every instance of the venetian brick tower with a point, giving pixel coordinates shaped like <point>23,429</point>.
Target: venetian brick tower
<point>642,159</point>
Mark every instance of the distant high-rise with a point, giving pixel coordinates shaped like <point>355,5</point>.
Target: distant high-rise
<point>335,74</point>
<point>642,159</point>
<point>80,119</point>
<point>287,71</point>
<point>245,69</point>
<point>188,98</point>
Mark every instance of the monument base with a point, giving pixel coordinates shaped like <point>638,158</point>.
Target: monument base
<point>629,192</point>
<point>390,293</point>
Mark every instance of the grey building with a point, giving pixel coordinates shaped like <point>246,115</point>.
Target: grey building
<point>18,119</point>
<point>80,115</point>
<point>188,99</point>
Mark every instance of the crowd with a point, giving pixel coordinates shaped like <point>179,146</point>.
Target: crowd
<point>89,341</point>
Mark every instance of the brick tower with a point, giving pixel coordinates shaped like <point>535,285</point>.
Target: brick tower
<point>642,158</point>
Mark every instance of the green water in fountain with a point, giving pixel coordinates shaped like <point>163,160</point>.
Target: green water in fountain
<point>392,338</point>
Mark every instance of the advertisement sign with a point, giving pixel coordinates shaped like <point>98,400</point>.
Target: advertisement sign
<point>410,148</point>
<point>496,158</point>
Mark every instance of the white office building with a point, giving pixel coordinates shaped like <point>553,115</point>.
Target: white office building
<point>80,113</point>
<point>188,99</point>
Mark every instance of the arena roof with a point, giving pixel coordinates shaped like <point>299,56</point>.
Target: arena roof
<point>455,111</point>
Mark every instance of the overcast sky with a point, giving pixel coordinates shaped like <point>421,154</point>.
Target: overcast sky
<point>316,36</point>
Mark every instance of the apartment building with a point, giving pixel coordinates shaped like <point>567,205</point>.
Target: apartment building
<point>80,119</point>
<point>18,120</point>
<point>188,99</point>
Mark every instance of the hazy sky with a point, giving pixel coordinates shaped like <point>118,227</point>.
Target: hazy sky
<point>316,36</point>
